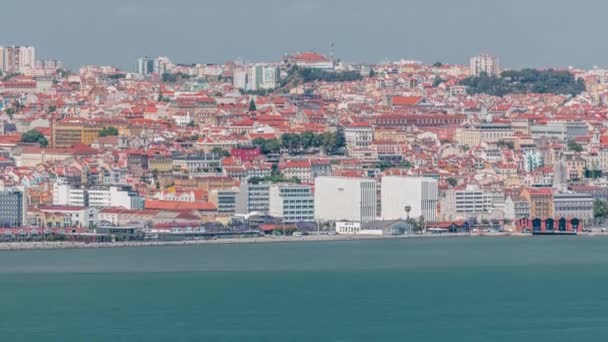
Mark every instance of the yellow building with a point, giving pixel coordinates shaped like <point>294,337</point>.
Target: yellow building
<point>541,202</point>
<point>64,135</point>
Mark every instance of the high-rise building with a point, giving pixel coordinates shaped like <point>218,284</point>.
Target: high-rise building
<point>418,194</point>
<point>292,202</point>
<point>13,208</point>
<point>161,65</point>
<point>145,66</point>
<point>240,78</point>
<point>262,76</point>
<point>345,199</point>
<point>484,63</point>
<point>253,198</point>
<point>17,59</point>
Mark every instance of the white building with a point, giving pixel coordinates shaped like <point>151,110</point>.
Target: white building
<point>358,135</point>
<point>161,65</point>
<point>17,59</point>
<point>467,202</point>
<point>262,76</point>
<point>355,228</point>
<point>345,199</point>
<point>484,63</point>
<point>101,197</point>
<point>419,193</point>
<point>182,119</point>
<point>253,198</point>
<point>239,78</point>
<point>145,66</point>
<point>292,202</point>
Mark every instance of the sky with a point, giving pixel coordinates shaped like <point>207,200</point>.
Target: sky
<point>522,33</point>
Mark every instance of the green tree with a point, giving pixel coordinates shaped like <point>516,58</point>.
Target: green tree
<point>34,136</point>
<point>220,151</point>
<point>452,181</point>
<point>51,109</point>
<point>600,209</point>
<point>252,107</point>
<point>108,131</point>
<point>267,145</point>
<point>437,64</point>
<point>573,146</point>
<point>437,82</point>
<point>372,73</point>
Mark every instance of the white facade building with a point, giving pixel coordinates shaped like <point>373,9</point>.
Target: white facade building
<point>17,59</point>
<point>292,202</point>
<point>345,199</point>
<point>419,193</point>
<point>101,197</point>
<point>358,135</point>
<point>484,63</point>
<point>145,66</point>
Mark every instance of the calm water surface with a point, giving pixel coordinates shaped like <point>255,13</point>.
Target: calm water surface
<point>460,289</point>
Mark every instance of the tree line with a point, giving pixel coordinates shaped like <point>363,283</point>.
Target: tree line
<point>525,81</point>
<point>330,142</point>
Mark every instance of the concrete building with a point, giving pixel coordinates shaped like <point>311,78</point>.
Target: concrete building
<point>292,202</point>
<point>145,66</point>
<point>224,200</point>
<point>196,163</point>
<point>17,59</point>
<point>161,65</point>
<point>561,130</point>
<point>240,78</point>
<point>484,63</point>
<point>573,205</point>
<point>253,198</point>
<point>419,193</point>
<point>345,199</point>
<point>358,135</point>
<point>262,76</point>
<point>97,197</point>
<point>13,208</point>
<point>516,208</point>
<point>470,201</point>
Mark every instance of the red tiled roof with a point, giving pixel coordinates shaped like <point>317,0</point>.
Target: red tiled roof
<point>176,205</point>
<point>406,100</point>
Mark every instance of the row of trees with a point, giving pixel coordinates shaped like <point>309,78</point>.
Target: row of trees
<point>297,75</point>
<point>600,209</point>
<point>525,81</point>
<point>330,142</point>
<point>108,131</point>
<point>34,136</point>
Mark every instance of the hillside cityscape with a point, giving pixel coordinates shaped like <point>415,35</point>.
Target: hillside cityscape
<point>305,145</point>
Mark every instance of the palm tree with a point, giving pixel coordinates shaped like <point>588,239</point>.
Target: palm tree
<point>407,209</point>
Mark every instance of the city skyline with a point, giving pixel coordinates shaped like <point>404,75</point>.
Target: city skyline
<point>117,32</point>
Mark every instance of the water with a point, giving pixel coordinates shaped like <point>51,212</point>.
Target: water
<point>460,289</point>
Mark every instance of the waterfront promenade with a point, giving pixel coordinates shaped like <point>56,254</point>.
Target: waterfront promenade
<point>29,245</point>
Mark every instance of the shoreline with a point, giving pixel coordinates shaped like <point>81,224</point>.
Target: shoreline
<point>46,245</point>
<point>40,245</point>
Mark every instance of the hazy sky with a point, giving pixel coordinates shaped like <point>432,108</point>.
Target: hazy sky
<point>521,32</point>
